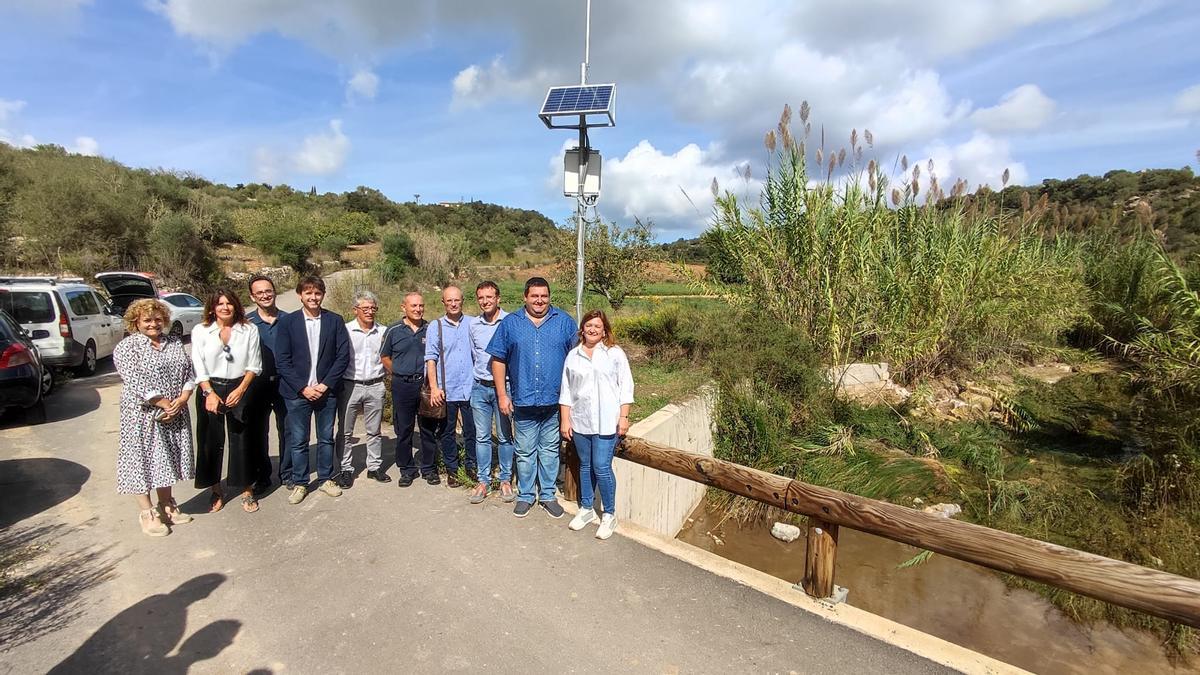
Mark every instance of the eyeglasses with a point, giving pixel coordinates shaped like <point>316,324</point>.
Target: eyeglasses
<point>367,309</point>
<point>228,352</point>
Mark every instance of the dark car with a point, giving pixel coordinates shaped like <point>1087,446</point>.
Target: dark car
<point>24,380</point>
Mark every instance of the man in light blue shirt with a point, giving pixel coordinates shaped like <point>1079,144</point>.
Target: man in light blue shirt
<point>484,406</point>
<point>448,352</point>
<point>528,352</point>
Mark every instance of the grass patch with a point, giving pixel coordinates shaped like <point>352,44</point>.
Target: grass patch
<point>656,384</point>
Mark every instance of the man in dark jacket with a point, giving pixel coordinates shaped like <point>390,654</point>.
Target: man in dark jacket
<point>312,352</point>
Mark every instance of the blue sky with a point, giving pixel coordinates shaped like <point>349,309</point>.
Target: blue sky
<point>440,99</point>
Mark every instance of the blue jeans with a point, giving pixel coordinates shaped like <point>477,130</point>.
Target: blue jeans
<point>449,440</point>
<point>536,431</point>
<point>299,415</point>
<point>595,469</point>
<point>485,408</point>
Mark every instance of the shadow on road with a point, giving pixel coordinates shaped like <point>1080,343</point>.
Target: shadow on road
<point>142,637</point>
<point>71,398</point>
<point>41,587</point>
<point>30,486</point>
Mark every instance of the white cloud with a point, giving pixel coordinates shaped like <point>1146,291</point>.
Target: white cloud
<point>673,190</point>
<point>475,85</point>
<point>323,154</point>
<point>364,85</point>
<point>86,145</point>
<point>1186,103</point>
<point>8,114</point>
<point>348,30</point>
<point>1025,108</point>
<point>17,141</point>
<point>319,154</point>
<point>8,108</point>
<point>980,160</point>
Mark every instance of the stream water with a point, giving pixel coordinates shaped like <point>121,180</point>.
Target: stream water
<point>956,601</point>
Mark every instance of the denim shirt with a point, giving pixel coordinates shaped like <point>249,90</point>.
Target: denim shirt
<point>534,354</point>
<point>481,334</point>
<point>460,360</point>
<point>266,336</point>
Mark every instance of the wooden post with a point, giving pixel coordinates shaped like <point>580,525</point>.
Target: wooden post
<point>819,558</point>
<point>571,476</point>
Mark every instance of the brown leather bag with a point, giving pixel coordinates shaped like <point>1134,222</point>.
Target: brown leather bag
<point>425,408</point>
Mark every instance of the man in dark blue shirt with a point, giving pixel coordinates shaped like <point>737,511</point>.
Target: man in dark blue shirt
<point>403,356</point>
<point>528,352</point>
<point>266,398</point>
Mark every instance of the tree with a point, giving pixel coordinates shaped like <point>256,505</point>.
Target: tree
<point>615,259</point>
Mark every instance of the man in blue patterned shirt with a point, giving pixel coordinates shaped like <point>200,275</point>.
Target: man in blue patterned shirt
<point>528,352</point>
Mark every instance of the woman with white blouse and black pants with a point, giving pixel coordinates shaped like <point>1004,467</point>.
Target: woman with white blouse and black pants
<point>226,355</point>
<point>594,401</point>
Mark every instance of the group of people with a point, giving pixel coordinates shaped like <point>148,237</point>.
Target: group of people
<point>529,378</point>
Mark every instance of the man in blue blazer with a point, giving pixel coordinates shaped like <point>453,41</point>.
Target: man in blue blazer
<point>312,352</point>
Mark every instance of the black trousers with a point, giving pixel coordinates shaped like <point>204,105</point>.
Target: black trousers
<point>244,452</point>
<point>264,400</point>
<point>406,397</point>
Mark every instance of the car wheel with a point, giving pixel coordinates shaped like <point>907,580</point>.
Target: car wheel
<point>88,367</point>
<point>36,414</point>
<point>47,382</point>
<point>177,330</point>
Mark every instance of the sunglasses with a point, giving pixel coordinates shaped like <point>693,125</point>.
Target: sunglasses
<point>228,352</point>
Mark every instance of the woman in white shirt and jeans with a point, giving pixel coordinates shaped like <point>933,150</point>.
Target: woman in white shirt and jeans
<point>597,390</point>
<point>226,355</point>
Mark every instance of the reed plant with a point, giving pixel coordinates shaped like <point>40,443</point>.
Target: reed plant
<point>919,284</point>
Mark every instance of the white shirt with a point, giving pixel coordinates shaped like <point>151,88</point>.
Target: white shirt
<point>211,360</point>
<point>312,327</point>
<point>364,352</point>
<point>595,388</point>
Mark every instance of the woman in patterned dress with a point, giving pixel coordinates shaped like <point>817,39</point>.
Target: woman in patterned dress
<point>155,449</point>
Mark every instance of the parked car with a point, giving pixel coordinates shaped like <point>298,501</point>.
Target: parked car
<point>24,380</point>
<point>186,312</point>
<point>125,287</point>
<point>72,325</point>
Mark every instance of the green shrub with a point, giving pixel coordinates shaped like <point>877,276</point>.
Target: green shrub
<point>177,249</point>
<point>398,257</point>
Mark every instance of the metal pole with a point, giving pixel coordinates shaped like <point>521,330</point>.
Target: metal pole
<point>579,225</point>
<point>587,42</point>
<point>583,162</point>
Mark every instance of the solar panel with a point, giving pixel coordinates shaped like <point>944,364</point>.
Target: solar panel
<point>587,99</point>
<point>578,99</point>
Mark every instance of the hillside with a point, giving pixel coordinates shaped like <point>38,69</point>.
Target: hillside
<point>1168,200</point>
<point>61,212</point>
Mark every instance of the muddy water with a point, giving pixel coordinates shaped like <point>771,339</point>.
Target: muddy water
<point>956,601</point>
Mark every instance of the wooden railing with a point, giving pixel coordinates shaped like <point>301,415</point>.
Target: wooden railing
<point>1154,592</point>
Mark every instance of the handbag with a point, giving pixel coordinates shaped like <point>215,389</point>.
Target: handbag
<point>426,408</point>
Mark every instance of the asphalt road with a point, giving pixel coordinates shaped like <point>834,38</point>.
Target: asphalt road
<point>382,579</point>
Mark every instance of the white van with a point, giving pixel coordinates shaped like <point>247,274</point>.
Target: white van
<point>72,325</point>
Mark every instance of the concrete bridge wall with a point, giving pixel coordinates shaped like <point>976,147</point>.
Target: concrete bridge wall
<point>655,500</point>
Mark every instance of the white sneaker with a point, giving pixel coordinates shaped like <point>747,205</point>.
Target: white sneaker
<point>582,518</point>
<point>608,524</point>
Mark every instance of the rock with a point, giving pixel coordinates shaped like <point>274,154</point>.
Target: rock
<point>978,400</point>
<point>785,532</point>
<point>856,374</point>
<point>917,501</point>
<point>943,510</point>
